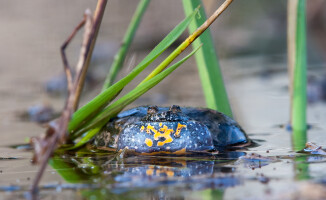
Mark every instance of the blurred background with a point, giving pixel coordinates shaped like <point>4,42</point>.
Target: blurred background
<point>250,39</point>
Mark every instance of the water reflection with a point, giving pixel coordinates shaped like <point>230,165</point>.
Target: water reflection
<point>301,167</point>
<point>159,177</point>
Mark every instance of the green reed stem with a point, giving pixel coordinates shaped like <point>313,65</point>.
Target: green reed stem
<point>129,36</point>
<point>298,64</point>
<point>208,63</point>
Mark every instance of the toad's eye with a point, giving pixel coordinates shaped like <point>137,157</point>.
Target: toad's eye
<point>175,109</point>
<point>152,110</point>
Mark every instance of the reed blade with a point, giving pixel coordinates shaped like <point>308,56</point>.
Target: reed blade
<point>207,62</point>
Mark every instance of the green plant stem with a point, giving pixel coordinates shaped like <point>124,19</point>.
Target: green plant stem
<point>189,40</point>
<point>299,65</point>
<point>129,35</point>
<point>208,63</point>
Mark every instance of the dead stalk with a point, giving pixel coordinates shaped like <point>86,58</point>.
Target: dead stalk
<point>66,65</point>
<point>211,19</point>
<point>56,133</point>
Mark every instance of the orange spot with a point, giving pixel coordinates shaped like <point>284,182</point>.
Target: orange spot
<point>149,172</point>
<point>165,133</point>
<point>169,173</point>
<point>160,124</point>
<point>177,132</point>
<point>150,128</point>
<point>149,142</point>
<point>142,128</point>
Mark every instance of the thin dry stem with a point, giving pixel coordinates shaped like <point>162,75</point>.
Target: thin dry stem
<point>84,51</point>
<point>66,65</point>
<point>211,19</point>
<point>291,35</point>
<point>98,15</point>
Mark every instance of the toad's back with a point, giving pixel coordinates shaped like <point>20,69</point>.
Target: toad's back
<point>161,130</point>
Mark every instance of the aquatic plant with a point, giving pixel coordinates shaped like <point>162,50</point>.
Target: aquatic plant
<point>208,63</point>
<point>297,56</point>
<point>126,41</point>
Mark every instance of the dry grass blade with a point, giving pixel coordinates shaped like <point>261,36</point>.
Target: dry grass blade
<point>56,133</point>
<point>98,15</point>
<point>66,65</point>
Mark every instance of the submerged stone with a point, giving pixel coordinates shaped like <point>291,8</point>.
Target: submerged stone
<point>176,130</point>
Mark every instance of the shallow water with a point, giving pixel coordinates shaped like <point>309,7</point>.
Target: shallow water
<point>279,173</point>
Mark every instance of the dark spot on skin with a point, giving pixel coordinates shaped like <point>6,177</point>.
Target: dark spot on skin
<point>161,139</point>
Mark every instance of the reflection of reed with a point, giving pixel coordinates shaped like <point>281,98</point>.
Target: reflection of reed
<point>301,167</point>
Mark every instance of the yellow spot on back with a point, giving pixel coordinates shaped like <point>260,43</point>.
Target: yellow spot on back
<point>177,132</point>
<point>149,142</point>
<point>150,128</point>
<point>142,128</point>
<point>164,132</point>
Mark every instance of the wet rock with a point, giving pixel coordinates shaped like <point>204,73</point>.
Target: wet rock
<point>38,113</point>
<point>316,89</point>
<point>254,160</point>
<point>263,179</point>
<point>57,85</point>
<point>313,148</point>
